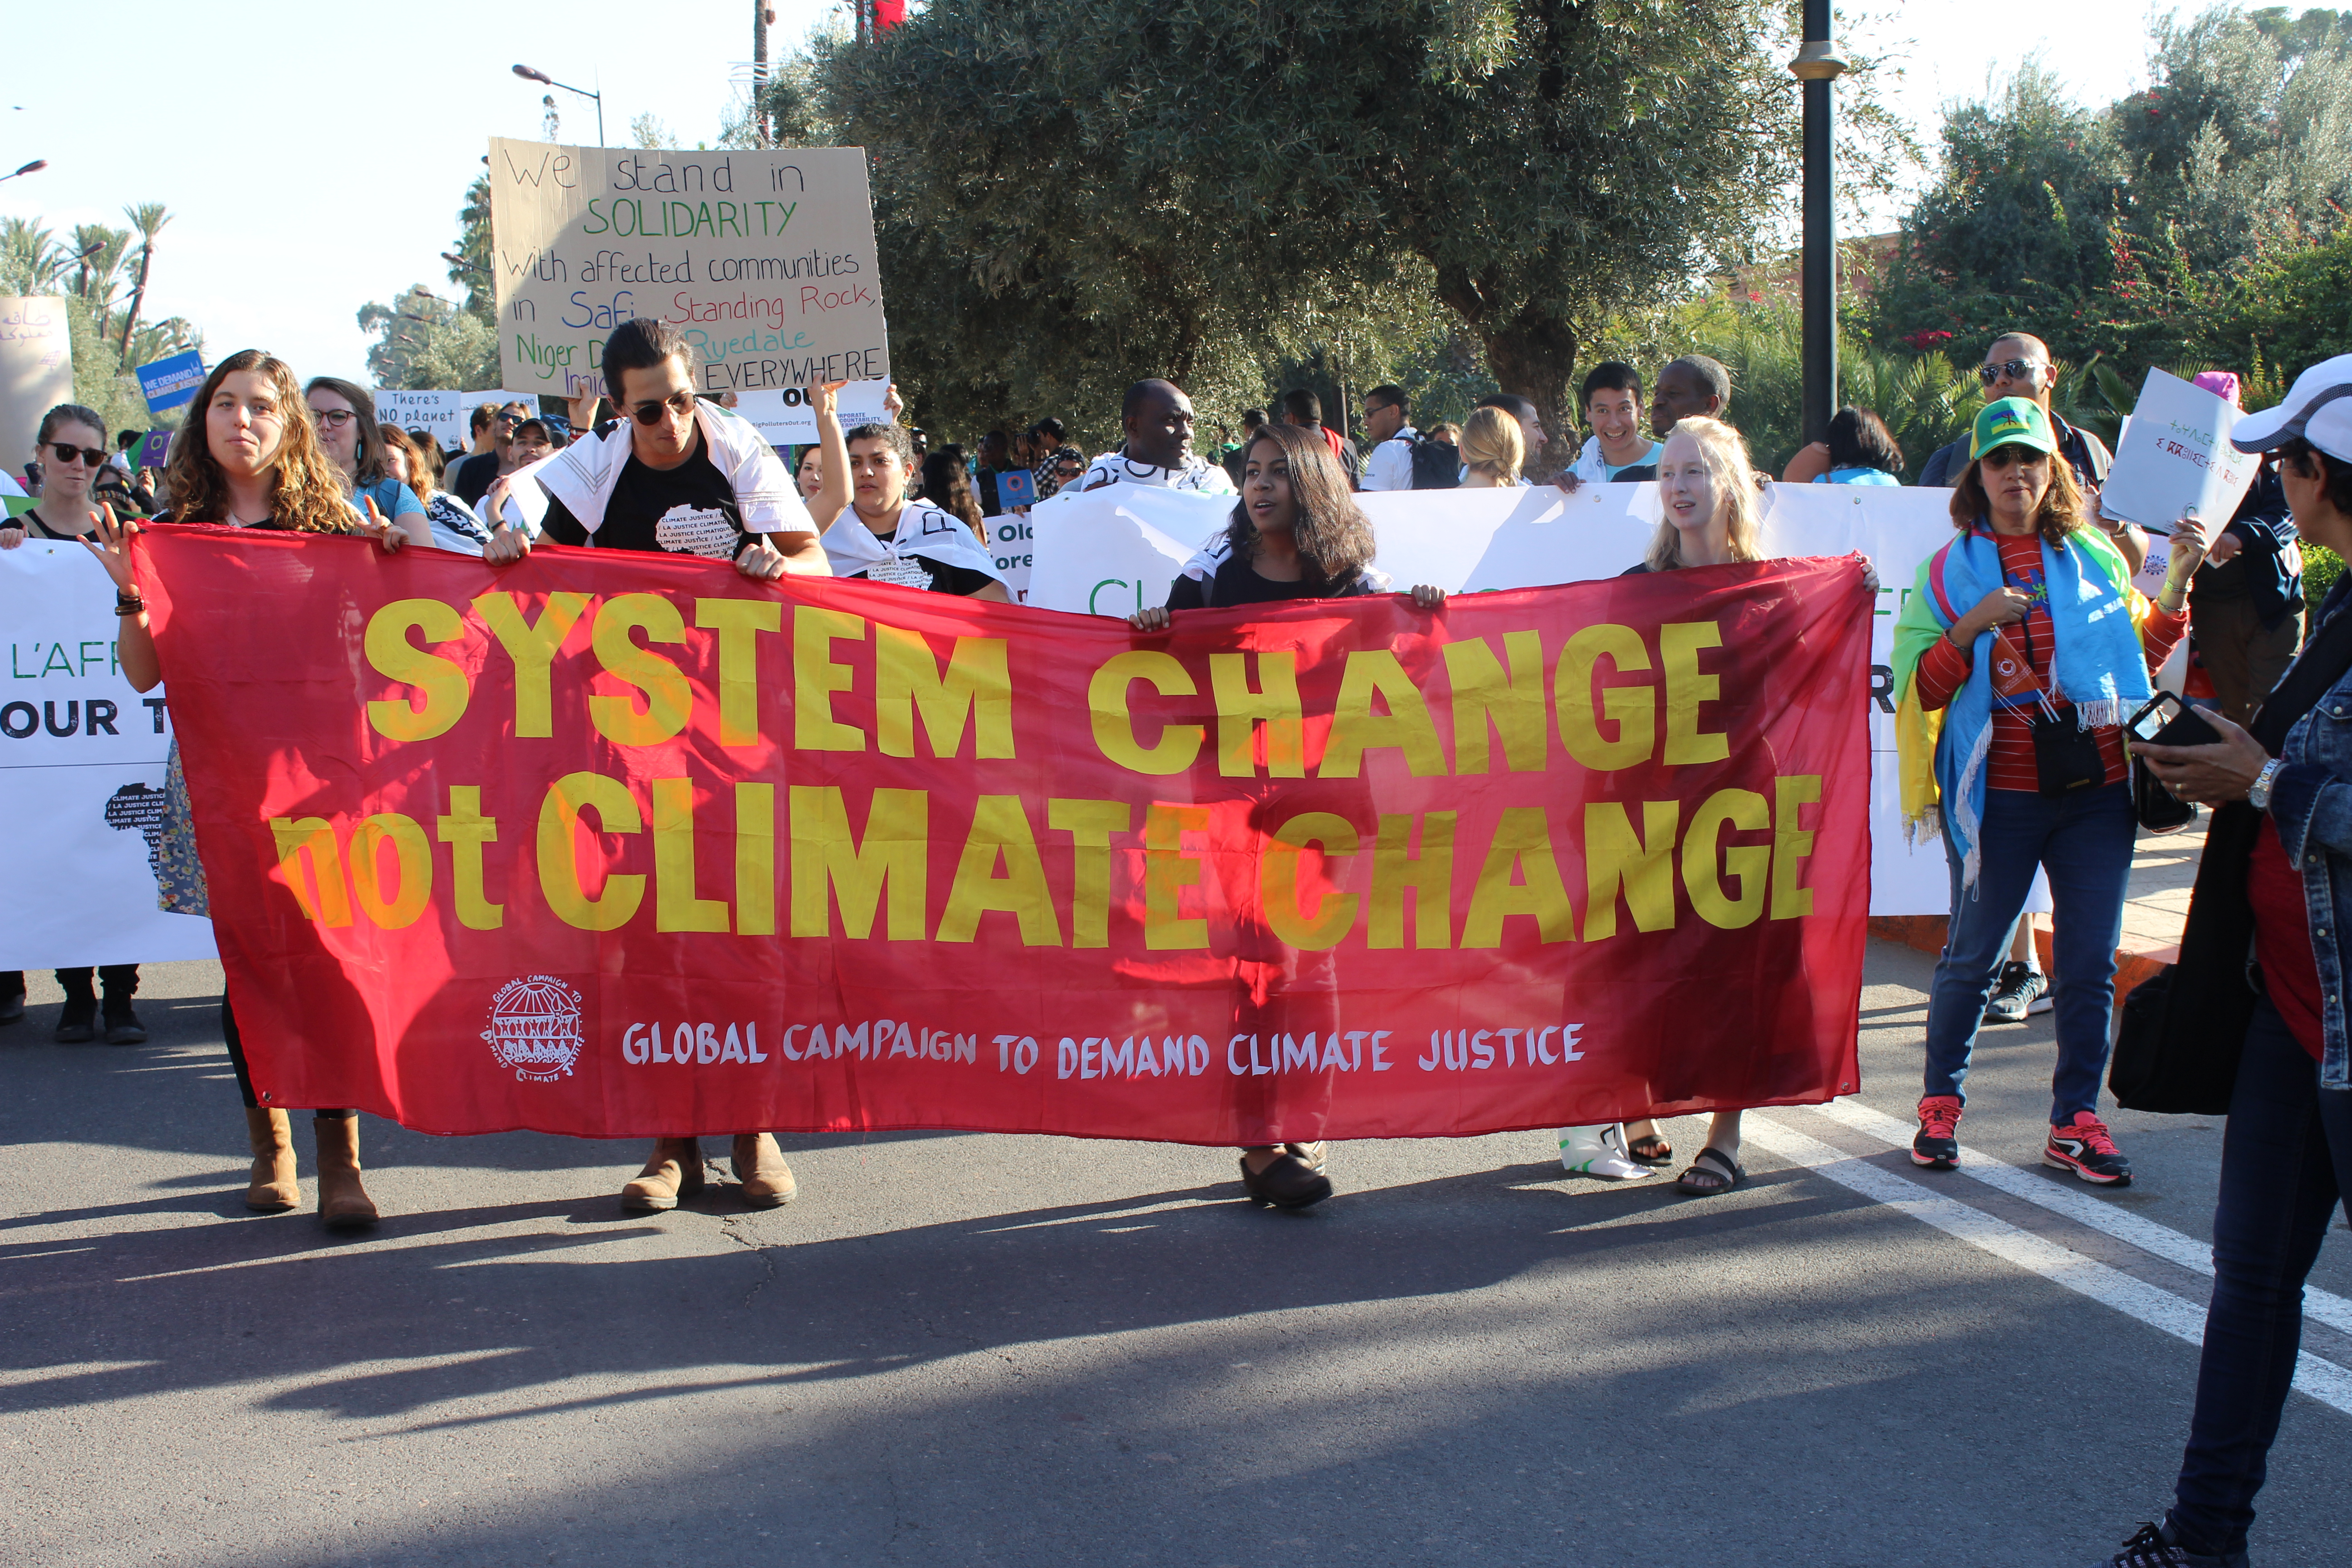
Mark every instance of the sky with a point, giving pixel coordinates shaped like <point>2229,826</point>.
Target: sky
<point>300,191</point>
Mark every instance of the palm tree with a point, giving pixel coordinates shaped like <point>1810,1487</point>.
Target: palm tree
<point>148,218</point>
<point>30,261</point>
<point>98,276</point>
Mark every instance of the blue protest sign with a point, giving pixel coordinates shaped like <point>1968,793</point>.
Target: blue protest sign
<point>1016,487</point>
<point>169,383</point>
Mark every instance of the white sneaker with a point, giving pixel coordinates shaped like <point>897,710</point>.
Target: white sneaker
<point>1600,1151</point>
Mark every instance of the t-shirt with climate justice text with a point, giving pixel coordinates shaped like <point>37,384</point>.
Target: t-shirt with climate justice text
<point>687,511</point>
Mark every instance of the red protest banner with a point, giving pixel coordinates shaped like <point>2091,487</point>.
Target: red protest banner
<point>617,845</point>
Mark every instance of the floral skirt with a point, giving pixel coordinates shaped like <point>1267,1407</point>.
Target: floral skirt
<point>179,875</point>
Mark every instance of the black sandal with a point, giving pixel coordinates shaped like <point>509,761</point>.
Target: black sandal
<point>1651,1148</point>
<point>1289,1182</point>
<point>1725,1175</point>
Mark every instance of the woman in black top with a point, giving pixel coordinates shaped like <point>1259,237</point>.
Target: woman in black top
<point>1296,533</point>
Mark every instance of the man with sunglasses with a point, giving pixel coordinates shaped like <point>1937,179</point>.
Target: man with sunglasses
<point>2018,365</point>
<point>679,476</point>
<point>493,458</point>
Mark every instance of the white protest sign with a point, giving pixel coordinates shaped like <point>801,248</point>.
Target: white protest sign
<point>785,417</point>
<point>81,775</point>
<point>764,260</point>
<point>1112,551</point>
<point>35,370</point>
<point>441,414</point>
<point>2175,455</point>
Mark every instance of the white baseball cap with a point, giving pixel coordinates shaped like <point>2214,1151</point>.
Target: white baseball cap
<point>2318,408</point>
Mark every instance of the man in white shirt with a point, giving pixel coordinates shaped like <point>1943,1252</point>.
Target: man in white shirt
<point>1619,445</point>
<point>1387,420</point>
<point>1159,449</point>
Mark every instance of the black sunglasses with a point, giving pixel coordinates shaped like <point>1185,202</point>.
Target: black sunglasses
<point>66,452</point>
<point>2015,369</point>
<point>651,413</point>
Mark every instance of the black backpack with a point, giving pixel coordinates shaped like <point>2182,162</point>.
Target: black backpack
<point>1436,465</point>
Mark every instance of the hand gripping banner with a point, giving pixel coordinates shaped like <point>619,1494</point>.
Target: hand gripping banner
<point>622,845</point>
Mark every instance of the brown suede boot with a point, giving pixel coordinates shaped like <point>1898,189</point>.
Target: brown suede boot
<point>673,1171</point>
<point>343,1203</point>
<point>273,1189</point>
<point>767,1182</point>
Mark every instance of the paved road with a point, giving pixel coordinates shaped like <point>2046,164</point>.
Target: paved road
<point>972,1350</point>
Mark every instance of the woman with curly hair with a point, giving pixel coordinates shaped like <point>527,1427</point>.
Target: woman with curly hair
<point>254,461</point>
<point>1296,533</point>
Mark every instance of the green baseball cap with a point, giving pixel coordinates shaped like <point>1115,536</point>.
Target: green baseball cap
<point>2012,422</point>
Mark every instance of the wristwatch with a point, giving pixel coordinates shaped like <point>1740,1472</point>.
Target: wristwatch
<point>2258,794</point>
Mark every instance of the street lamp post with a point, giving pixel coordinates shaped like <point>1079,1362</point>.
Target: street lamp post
<point>1817,67</point>
<point>35,167</point>
<point>530,75</point>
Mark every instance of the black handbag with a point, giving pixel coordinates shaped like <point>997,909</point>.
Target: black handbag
<point>2066,755</point>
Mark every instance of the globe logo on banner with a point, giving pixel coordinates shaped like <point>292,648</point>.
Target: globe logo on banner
<point>535,1028</point>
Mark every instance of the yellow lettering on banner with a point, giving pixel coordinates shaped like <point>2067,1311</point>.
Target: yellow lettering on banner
<point>1115,725</point>
<point>532,645</point>
<point>739,623</point>
<point>669,698</point>
<point>413,860</point>
<point>1643,865</point>
<point>1744,810</point>
<point>976,688</point>
<point>1089,824</point>
<point>676,906</point>
<point>1241,711</point>
<point>1334,913</point>
<point>1515,704</point>
<point>1356,729</point>
<point>1522,843</point>
<point>1633,709</point>
<point>1167,871</point>
<point>755,859</point>
<point>1000,830</point>
<point>559,864</point>
<point>829,863</point>
<point>1791,844</point>
<point>815,677</point>
<point>440,682</point>
<point>1678,646</point>
<point>295,835</point>
<point>465,830</point>
<point>1428,874</point>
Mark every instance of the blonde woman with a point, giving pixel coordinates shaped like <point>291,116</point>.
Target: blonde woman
<point>1492,451</point>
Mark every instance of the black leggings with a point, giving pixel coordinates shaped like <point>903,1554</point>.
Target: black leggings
<point>117,978</point>
<point>245,1078</point>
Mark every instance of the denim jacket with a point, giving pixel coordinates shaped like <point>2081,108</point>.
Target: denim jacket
<point>2311,801</point>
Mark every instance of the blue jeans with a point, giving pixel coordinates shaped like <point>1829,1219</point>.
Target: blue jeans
<point>2286,1162</point>
<point>2083,841</point>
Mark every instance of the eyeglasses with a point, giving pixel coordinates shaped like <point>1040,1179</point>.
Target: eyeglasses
<point>2015,369</point>
<point>332,418</point>
<point>2002,457</point>
<point>66,452</point>
<point>678,402</point>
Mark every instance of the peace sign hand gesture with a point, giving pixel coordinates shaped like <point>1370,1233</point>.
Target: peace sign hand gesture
<point>388,535</point>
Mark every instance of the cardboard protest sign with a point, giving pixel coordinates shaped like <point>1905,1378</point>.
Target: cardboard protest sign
<point>2175,455</point>
<point>169,383</point>
<point>764,260</point>
<point>786,417</point>
<point>35,370</point>
<point>441,413</point>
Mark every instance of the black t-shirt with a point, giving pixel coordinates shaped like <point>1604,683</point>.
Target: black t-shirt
<point>913,570</point>
<point>1239,583</point>
<point>471,479</point>
<point>35,527</point>
<point>687,511</point>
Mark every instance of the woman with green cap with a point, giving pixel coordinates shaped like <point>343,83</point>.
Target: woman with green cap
<point>2017,657</point>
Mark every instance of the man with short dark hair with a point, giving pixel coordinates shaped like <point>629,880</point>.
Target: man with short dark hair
<point>1302,408</point>
<point>1388,421</point>
<point>677,475</point>
<point>1618,449</point>
<point>1158,417</point>
<point>1691,387</point>
<point>475,476</point>
<point>2018,365</point>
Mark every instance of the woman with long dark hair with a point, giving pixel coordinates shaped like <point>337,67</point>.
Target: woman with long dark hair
<point>1296,533</point>
<point>250,459</point>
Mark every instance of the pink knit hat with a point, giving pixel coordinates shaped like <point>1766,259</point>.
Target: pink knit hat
<point>2222,383</point>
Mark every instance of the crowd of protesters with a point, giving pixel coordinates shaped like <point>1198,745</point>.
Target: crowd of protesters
<point>2024,636</point>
